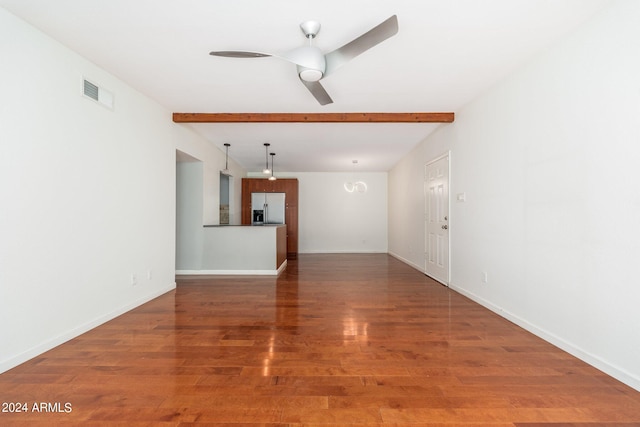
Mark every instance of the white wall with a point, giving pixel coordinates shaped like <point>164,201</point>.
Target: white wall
<point>334,220</point>
<point>189,210</point>
<point>549,161</point>
<point>213,161</point>
<point>331,220</point>
<point>198,195</point>
<point>88,195</point>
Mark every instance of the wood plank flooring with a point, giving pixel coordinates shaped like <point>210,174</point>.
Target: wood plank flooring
<point>336,340</point>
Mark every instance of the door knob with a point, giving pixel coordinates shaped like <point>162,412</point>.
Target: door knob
<point>444,227</point>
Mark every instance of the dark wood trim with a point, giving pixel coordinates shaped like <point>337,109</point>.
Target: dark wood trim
<point>313,117</point>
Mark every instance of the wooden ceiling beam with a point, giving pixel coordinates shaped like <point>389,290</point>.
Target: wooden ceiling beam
<point>313,117</point>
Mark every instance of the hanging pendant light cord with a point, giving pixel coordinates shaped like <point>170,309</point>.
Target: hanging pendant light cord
<point>266,158</point>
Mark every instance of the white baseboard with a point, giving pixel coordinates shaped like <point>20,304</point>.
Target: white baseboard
<point>313,251</point>
<point>614,371</point>
<point>233,272</point>
<point>18,359</point>
<point>406,261</point>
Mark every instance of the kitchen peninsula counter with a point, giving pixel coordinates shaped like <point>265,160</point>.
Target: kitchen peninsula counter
<point>243,249</point>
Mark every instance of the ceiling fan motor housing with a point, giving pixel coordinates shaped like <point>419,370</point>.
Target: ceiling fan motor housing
<point>311,63</point>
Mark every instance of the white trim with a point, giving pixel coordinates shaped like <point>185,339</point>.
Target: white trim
<point>440,157</point>
<point>14,361</point>
<point>406,261</point>
<point>618,373</point>
<point>612,370</point>
<point>346,251</point>
<point>227,272</point>
<point>233,272</point>
<point>417,267</point>
<point>436,279</point>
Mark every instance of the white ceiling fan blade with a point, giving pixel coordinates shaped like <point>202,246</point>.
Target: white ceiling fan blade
<point>318,92</point>
<point>239,54</point>
<point>374,36</point>
<point>305,56</point>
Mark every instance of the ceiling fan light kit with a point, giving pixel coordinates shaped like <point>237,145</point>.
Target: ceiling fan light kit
<point>309,75</point>
<point>312,65</point>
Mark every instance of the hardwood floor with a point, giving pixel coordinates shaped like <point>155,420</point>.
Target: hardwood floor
<point>336,340</point>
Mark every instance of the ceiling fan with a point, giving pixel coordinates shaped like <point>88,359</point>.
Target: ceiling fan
<point>312,64</point>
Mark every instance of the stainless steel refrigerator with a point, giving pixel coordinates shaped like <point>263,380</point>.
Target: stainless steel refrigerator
<point>267,208</point>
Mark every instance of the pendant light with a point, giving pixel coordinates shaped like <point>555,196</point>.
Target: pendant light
<point>353,186</point>
<point>266,169</point>
<point>272,177</point>
<point>226,160</point>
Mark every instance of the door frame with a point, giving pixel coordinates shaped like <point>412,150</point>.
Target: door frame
<point>446,155</point>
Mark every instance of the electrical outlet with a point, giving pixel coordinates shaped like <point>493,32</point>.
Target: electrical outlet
<point>134,280</point>
<point>149,274</point>
<point>485,277</point>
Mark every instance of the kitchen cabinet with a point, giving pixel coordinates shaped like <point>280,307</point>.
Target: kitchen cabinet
<point>289,186</point>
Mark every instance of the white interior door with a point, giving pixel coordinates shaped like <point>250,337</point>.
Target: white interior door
<point>437,219</point>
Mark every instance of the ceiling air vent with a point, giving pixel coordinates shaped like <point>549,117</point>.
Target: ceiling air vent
<point>97,93</point>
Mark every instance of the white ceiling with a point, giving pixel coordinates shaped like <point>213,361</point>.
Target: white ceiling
<point>445,54</point>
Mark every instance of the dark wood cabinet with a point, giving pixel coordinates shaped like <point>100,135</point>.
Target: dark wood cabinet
<point>289,186</point>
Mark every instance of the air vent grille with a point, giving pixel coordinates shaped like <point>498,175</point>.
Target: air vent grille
<point>93,91</point>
